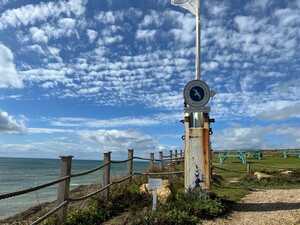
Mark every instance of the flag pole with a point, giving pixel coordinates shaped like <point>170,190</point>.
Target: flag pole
<point>198,40</point>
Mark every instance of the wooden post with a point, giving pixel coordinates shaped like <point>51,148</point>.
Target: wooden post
<point>151,161</point>
<point>106,174</point>
<point>181,154</point>
<point>171,156</point>
<point>176,154</point>
<point>161,157</point>
<point>206,155</point>
<point>130,163</point>
<point>248,168</point>
<point>64,186</point>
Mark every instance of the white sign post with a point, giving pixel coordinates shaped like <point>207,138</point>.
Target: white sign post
<point>154,184</point>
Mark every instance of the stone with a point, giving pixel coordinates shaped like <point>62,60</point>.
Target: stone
<point>261,176</point>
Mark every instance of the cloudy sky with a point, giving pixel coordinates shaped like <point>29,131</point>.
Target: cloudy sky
<point>82,77</point>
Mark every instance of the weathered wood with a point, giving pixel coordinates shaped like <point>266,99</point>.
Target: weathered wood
<point>130,163</point>
<point>248,168</point>
<point>176,154</point>
<point>171,155</point>
<point>186,151</point>
<point>206,157</point>
<point>161,157</point>
<point>106,174</point>
<point>181,154</point>
<point>151,161</point>
<point>64,187</point>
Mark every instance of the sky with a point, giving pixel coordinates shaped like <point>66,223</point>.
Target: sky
<point>82,77</point>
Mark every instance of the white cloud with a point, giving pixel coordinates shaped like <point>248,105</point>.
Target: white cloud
<point>256,137</point>
<point>92,35</point>
<point>67,23</point>
<point>9,76</point>
<point>157,119</point>
<point>280,110</point>
<point>145,34</point>
<point>121,140</point>
<point>38,35</point>
<point>10,124</point>
<point>30,14</point>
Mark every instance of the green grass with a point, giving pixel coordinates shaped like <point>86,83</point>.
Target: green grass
<point>233,169</point>
<point>230,183</point>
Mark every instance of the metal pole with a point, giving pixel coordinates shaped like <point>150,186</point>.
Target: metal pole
<point>198,40</point>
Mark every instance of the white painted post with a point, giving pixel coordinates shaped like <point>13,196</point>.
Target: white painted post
<point>64,187</point>
<point>154,200</point>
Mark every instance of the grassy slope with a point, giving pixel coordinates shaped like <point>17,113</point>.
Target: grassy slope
<point>232,169</point>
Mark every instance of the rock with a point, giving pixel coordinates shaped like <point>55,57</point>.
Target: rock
<point>261,176</point>
<point>287,172</point>
<point>162,193</point>
<point>234,180</point>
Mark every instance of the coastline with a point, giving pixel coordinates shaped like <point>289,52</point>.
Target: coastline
<point>29,215</point>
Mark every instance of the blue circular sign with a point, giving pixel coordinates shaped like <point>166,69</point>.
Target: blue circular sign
<point>197,93</point>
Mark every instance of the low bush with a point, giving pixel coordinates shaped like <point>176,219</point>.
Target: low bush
<point>183,208</point>
<point>199,204</point>
<point>161,217</point>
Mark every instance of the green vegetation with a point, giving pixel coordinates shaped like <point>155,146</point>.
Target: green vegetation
<point>181,209</point>
<point>231,182</point>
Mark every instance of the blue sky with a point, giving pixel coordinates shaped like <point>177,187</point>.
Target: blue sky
<point>82,77</point>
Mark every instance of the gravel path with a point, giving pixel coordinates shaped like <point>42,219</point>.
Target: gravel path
<point>268,207</point>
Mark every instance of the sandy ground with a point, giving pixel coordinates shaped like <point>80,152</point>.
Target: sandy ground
<point>268,207</point>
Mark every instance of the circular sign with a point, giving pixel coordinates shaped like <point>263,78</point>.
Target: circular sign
<point>196,93</point>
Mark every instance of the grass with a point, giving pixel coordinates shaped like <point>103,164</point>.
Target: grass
<point>230,183</point>
<point>233,170</point>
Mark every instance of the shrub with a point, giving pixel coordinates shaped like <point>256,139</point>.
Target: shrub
<point>198,203</point>
<point>88,216</point>
<point>161,217</point>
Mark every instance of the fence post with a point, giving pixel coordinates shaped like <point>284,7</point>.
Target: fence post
<point>106,174</point>
<point>130,163</point>
<point>171,155</point>
<point>176,154</point>
<point>181,154</point>
<point>64,186</point>
<point>161,157</point>
<point>248,168</point>
<point>151,161</point>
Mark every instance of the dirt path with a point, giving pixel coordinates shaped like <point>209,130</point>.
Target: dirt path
<point>269,207</point>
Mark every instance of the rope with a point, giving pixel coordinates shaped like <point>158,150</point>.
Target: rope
<point>122,161</point>
<point>147,159</point>
<point>162,173</point>
<point>51,212</point>
<point>100,190</point>
<point>89,171</point>
<point>28,190</point>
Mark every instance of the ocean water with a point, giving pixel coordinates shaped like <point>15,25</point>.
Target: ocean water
<point>17,174</point>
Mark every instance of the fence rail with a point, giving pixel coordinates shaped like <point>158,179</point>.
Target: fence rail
<point>63,182</point>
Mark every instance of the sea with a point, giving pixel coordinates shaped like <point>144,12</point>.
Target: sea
<point>18,173</point>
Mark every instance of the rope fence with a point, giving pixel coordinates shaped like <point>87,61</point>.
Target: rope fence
<point>63,182</point>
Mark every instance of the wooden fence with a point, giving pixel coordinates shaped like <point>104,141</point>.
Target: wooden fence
<point>63,190</point>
